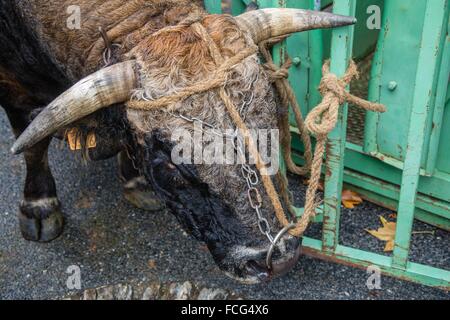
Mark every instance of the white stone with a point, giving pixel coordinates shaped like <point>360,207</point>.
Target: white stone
<point>180,291</point>
<point>212,294</point>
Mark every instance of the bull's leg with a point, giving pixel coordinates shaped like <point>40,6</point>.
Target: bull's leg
<point>40,217</point>
<point>135,187</point>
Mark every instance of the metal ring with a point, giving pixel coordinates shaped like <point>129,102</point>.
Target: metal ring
<point>275,240</point>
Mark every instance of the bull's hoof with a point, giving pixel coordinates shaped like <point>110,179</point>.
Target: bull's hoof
<point>138,193</point>
<point>41,220</point>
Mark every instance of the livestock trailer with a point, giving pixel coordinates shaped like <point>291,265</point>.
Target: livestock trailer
<point>399,159</point>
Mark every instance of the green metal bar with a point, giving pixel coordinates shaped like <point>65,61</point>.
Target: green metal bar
<point>372,118</point>
<point>213,6</point>
<point>319,213</point>
<point>428,210</point>
<point>395,162</point>
<point>439,105</point>
<point>315,55</point>
<point>426,71</point>
<point>279,50</point>
<point>301,73</point>
<point>342,42</point>
<point>415,272</point>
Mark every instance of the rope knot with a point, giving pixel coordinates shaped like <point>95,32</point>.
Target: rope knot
<point>330,83</point>
<point>322,119</point>
<point>277,73</point>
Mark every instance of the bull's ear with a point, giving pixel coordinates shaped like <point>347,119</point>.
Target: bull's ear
<point>264,24</point>
<point>101,89</point>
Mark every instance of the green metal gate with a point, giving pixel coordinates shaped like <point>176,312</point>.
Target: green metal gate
<point>400,159</point>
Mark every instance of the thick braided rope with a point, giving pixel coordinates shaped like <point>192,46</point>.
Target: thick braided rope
<point>322,120</point>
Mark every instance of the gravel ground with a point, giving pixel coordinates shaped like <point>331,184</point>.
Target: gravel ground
<point>113,242</point>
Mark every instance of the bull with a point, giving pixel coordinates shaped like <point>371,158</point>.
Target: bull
<point>54,78</point>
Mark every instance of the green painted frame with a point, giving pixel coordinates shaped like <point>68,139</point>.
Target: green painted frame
<point>328,247</point>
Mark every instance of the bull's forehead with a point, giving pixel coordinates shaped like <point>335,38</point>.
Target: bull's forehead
<point>180,57</point>
<point>172,61</point>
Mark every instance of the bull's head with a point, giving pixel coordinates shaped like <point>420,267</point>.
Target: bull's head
<point>210,201</point>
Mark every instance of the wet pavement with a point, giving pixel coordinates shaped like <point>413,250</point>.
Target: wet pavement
<point>112,242</point>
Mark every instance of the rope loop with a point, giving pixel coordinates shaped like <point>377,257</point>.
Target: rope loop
<point>322,119</point>
<point>278,73</point>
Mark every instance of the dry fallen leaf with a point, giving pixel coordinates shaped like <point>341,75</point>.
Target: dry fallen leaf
<point>350,199</point>
<point>385,233</point>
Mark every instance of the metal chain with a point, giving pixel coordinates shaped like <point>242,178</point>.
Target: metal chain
<point>253,194</point>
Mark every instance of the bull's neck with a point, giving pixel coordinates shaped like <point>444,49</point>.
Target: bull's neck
<point>70,28</point>
<point>24,55</point>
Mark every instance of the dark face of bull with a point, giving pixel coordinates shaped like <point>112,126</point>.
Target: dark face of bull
<point>210,200</point>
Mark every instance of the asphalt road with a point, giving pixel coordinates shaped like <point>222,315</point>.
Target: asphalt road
<point>113,242</point>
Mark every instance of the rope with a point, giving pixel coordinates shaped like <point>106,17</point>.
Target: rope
<point>279,75</point>
<point>218,79</point>
<point>320,121</point>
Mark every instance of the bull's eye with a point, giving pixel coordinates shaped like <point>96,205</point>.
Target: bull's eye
<point>171,166</point>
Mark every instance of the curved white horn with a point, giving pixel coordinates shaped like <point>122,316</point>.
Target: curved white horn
<point>103,88</point>
<point>273,22</point>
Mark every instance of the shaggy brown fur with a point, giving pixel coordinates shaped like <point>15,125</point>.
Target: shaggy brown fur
<point>79,52</point>
<point>12,88</point>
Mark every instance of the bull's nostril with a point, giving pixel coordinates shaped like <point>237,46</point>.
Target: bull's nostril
<point>255,269</point>
<point>282,267</point>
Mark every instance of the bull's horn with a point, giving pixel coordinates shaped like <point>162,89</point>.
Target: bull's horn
<point>101,89</point>
<point>268,23</point>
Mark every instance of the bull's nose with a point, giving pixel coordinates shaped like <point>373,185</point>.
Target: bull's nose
<point>258,270</point>
<point>282,265</point>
